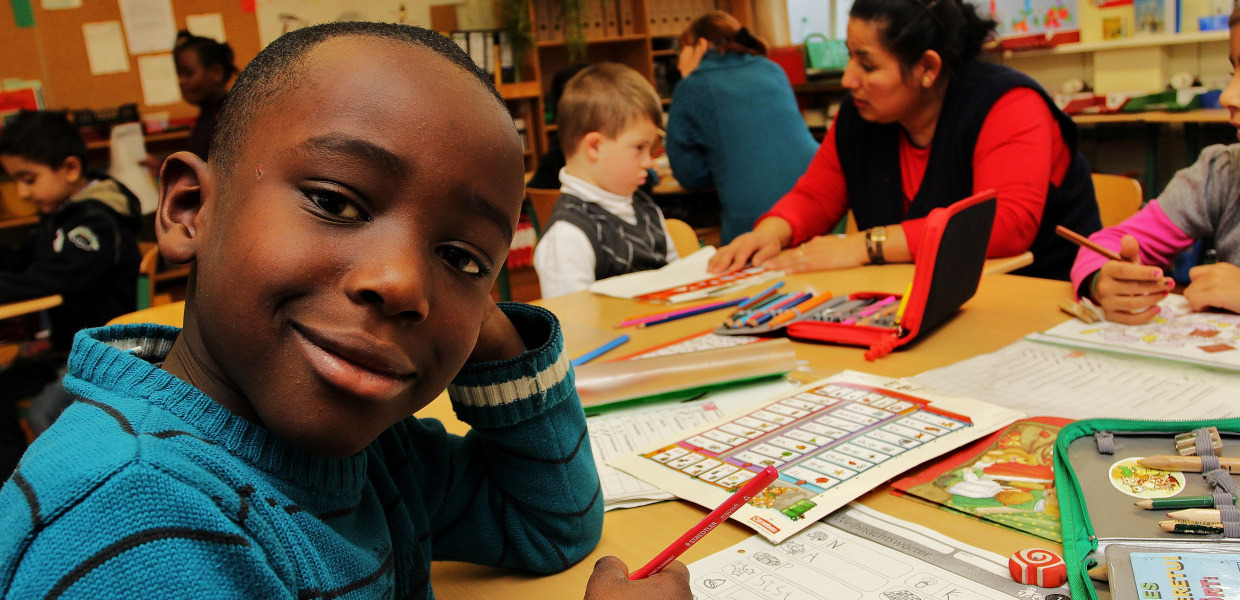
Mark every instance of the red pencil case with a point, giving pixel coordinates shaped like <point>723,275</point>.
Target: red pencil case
<point>948,269</point>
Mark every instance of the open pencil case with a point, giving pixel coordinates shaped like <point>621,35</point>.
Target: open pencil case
<point>768,327</point>
<point>1098,483</point>
<point>948,269</point>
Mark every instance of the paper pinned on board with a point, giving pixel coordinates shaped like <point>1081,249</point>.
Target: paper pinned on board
<point>128,151</point>
<point>105,48</point>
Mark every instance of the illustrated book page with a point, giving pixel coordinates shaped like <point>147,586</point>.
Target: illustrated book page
<point>832,441</point>
<point>1177,333</point>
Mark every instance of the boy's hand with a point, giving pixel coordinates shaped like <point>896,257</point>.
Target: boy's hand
<point>1216,285</point>
<point>497,339</point>
<point>610,581</point>
<point>1129,291</point>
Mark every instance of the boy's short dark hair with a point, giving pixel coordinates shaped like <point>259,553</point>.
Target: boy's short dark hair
<point>275,71</point>
<point>44,137</point>
<point>606,98</point>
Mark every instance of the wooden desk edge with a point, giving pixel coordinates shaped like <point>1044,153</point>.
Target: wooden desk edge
<point>22,307</point>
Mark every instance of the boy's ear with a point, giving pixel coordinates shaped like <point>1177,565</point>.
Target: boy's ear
<point>71,169</point>
<point>590,144</point>
<point>186,185</point>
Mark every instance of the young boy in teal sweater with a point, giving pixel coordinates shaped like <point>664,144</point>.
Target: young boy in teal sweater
<point>344,243</point>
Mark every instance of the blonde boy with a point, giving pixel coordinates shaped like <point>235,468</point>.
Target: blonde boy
<point>609,119</point>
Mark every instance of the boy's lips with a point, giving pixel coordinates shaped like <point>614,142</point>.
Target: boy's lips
<point>359,364</point>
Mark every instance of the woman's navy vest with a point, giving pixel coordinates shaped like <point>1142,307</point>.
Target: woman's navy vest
<point>870,158</point>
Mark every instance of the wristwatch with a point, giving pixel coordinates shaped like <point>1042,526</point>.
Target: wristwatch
<point>874,238</point>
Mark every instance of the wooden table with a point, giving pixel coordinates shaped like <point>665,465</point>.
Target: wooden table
<point>23,307</point>
<point>1005,308</point>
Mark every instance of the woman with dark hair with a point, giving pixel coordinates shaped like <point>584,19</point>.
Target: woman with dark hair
<point>205,69</point>
<point>734,122</point>
<point>926,124</point>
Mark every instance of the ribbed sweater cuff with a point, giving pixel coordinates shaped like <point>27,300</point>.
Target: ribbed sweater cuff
<point>502,393</point>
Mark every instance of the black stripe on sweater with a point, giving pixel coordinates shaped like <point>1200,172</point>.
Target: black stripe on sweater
<point>134,540</point>
<point>36,520</point>
<point>112,412</point>
<point>553,461</point>
<point>171,433</point>
<point>314,594</point>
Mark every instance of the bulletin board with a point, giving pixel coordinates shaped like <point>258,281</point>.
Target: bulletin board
<point>54,51</point>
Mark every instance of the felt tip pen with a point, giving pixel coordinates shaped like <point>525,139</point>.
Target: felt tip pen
<point>716,517</point>
<point>1180,502</point>
<point>601,350</point>
<point>869,310</point>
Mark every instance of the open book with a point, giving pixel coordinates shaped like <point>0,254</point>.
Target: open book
<point>682,281</point>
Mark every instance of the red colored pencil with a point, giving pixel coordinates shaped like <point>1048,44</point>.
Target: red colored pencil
<point>699,531</point>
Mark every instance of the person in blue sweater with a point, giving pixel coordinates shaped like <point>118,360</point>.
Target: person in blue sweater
<point>734,122</point>
<point>343,250</point>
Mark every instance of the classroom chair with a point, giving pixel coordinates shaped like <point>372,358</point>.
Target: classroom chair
<point>1119,197</point>
<point>683,237</point>
<point>169,313</point>
<point>542,202</point>
<point>159,283</point>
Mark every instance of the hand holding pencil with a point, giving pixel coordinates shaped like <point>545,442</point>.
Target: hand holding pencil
<point>1127,290</point>
<point>610,581</point>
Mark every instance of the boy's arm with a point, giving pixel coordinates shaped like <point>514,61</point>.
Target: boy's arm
<point>520,489</point>
<point>138,532</point>
<point>87,251</point>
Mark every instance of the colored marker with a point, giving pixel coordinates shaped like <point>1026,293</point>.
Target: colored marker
<point>699,531</point>
<point>1181,502</point>
<point>805,307</point>
<point>601,350</point>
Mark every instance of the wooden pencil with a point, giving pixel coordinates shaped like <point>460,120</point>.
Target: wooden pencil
<point>1186,463</point>
<point>1085,242</point>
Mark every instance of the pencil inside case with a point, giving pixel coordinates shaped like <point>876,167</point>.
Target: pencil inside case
<point>844,326</point>
<point>767,327</point>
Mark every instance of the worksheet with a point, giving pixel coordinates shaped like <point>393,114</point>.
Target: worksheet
<point>860,554</point>
<point>832,441</point>
<point>1177,333</point>
<point>620,432</point>
<point>1044,379</point>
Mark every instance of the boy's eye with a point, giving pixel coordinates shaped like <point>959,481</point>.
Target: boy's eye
<point>462,261</point>
<point>337,206</point>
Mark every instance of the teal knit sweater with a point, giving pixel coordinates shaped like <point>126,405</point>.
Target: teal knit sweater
<point>146,488</point>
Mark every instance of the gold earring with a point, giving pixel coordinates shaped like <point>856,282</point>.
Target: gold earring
<point>925,81</point>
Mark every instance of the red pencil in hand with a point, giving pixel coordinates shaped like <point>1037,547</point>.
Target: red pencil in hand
<point>699,531</point>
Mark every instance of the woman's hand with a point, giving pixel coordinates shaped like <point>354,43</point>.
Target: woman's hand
<point>610,581</point>
<point>822,253</point>
<point>1129,291</point>
<point>1216,285</point>
<point>497,338</point>
<point>755,247</point>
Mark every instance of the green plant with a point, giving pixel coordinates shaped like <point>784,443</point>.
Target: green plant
<point>574,32</point>
<point>515,19</point>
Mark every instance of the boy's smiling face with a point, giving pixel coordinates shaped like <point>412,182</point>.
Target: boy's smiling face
<point>344,264</point>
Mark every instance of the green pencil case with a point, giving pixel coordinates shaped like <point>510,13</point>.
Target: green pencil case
<point>1081,532</point>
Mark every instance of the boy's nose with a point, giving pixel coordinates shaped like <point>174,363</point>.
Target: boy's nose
<point>397,287</point>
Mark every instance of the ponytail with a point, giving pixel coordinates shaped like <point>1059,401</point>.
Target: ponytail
<point>724,33</point>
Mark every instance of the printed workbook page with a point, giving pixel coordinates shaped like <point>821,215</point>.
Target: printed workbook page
<point>832,441</point>
<point>860,554</point>
<point>1177,333</point>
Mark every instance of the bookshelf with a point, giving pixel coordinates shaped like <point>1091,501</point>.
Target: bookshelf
<point>638,33</point>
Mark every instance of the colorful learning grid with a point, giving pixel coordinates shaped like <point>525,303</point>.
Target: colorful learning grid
<point>832,441</point>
